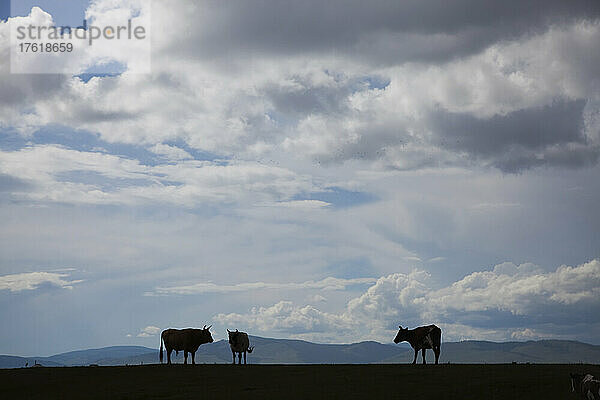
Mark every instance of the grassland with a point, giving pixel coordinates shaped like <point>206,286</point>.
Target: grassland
<point>444,381</point>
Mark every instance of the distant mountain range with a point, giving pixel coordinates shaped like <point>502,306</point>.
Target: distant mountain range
<point>284,351</point>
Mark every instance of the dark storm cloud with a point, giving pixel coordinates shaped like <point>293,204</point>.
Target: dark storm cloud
<point>521,139</point>
<point>388,31</point>
<point>551,135</point>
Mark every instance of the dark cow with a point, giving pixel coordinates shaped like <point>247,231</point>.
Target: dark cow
<point>187,340</point>
<point>239,343</point>
<point>421,338</point>
<point>586,386</point>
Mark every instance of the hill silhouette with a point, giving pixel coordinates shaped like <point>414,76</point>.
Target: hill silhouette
<point>287,351</point>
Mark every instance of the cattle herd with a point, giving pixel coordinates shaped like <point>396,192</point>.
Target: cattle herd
<point>188,340</point>
<point>420,338</point>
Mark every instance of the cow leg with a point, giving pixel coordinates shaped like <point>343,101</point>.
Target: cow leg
<point>185,356</point>
<point>169,351</point>
<point>415,359</point>
<point>233,353</point>
<point>244,358</point>
<point>240,358</point>
<point>193,357</point>
<point>423,354</point>
<point>436,351</point>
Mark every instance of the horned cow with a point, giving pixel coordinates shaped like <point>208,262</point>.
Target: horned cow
<point>187,340</point>
<point>239,343</point>
<point>586,386</point>
<point>421,338</point>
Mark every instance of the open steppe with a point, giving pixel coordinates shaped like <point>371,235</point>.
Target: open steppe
<point>210,381</point>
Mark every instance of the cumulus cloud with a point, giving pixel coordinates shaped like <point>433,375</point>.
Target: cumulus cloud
<point>149,331</point>
<point>526,334</point>
<point>288,318</point>
<point>569,293</point>
<point>490,304</point>
<point>36,280</point>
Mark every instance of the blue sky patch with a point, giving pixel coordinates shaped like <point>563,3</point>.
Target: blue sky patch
<point>82,140</point>
<point>108,69</point>
<point>4,9</point>
<point>376,82</point>
<point>369,83</point>
<point>359,267</point>
<point>10,140</point>
<point>64,12</point>
<point>86,141</point>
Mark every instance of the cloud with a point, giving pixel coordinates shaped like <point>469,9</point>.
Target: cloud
<point>524,105</point>
<point>171,153</point>
<point>257,126</point>
<point>59,174</point>
<point>492,304</point>
<point>526,334</point>
<point>299,204</point>
<point>317,298</point>
<point>287,318</point>
<point>149,331</point>
<point>513,95</point>
<point>569,294</point>
<point>380,32</point>
<point>329,283</point>
<point>35,280</point>
<point>521,139</point>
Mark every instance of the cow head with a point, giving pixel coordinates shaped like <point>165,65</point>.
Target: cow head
<point>402,335</point>
<point>206,334</point>
<point>232,336</point>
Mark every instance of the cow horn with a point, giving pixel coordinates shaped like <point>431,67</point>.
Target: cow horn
<point>210,326</point>
<point>204,327</point>
<point>400,326</point>
<point>228,331</point>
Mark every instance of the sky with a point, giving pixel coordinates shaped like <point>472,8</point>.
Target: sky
<point>324,171</point>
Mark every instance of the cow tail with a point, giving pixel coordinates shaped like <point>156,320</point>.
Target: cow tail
<point>160,353</point>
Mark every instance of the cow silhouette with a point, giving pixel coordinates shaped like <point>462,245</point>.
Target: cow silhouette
<point>421,338</point>
<point>187,340</point>
<point>239,343</point>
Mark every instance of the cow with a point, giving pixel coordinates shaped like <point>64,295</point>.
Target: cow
<point>421,338</point>
<point>586,386</point>
<point>239,343</point>
<point>187,340</point>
